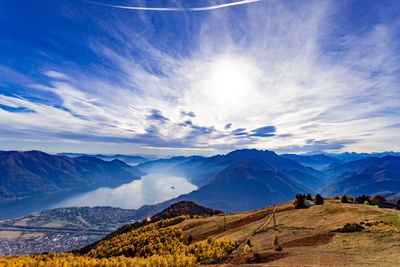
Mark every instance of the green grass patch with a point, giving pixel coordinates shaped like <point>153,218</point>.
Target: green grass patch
<point>56,223</point>
<point>395,220</point>
<point>350,228</point>
<point>9,235</point>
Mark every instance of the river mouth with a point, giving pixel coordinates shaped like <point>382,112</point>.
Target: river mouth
<point>150,189</point>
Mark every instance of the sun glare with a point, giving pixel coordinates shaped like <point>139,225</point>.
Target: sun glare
<point>230,80</point>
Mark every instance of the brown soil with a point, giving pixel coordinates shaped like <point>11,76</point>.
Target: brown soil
<point>315,240</point>
<point>258,257</point>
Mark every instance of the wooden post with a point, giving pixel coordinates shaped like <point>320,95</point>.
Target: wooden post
<point>273,218</point>
<point>224,223</point>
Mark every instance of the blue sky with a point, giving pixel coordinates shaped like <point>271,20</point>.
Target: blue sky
<point>291,76</point>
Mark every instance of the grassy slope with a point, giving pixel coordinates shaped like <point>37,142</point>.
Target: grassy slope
<point>305,235</point>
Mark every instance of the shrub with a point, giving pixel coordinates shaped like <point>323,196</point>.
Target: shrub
<point>309,197</point>
<point>299,202</point>
<point>190,239</point>
<point>246,249</point>
<point>344,199</point>
<point>319,200</point>
<point>378,200</point>
<point>350,228</point>
<point>248,242</point>
<point>362,199</point>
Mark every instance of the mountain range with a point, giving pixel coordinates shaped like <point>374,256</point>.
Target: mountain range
<point>250,179</point>
<point>201,170</point>
<point>238,181</point>
<point>352,156</point>
<point>366,176</point>
<point>33,173</point>
<point>245,179</point>
<point>129,159</point>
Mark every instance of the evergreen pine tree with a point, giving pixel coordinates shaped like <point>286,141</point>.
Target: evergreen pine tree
<point>319,200</point>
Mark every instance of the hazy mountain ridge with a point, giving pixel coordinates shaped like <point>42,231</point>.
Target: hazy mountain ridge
<point>165,164</point>
<point>366,176</point>
<point>201,170</point>
<point>318,161</point>
<point>129,159</point>
<point>352,156</point>
<point>26,174</point>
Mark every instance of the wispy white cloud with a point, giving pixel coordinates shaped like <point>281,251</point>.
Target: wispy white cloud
<point>174,9</point>
<point>56,74</point>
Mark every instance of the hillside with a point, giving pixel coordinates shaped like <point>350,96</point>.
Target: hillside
<point>182,208</point>
<point>66,229</point>
<point>240,180</point>
<point>308,237</point>
<point>81,218</point>
<point>243,186</point>
<point>200,171</point>
<point>366,176</point>
<point>61,229</point>
<point>32,173</point>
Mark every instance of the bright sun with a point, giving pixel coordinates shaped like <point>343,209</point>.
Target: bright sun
<point>229,80</point>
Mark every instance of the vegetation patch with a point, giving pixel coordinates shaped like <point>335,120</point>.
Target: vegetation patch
<point>56,224</point>
<point>9,234</point>
<point>350,228</point>
<point>395,220</point>
<point>266,257</point>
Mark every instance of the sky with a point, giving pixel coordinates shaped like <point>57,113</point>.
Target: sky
<point>199,77</point>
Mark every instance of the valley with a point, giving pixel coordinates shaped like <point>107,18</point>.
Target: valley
<point>60,229</point>
<point>235,183</point>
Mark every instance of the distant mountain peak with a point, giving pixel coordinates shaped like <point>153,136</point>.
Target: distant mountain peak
<point>251,151</point>
<point>315,152</point>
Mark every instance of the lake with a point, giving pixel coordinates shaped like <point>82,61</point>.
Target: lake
<point>150,189</point>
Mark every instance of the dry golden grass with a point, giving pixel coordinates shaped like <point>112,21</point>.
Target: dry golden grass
<point>306,236</point>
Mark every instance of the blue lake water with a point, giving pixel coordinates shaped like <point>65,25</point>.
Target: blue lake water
<point>150,189</point>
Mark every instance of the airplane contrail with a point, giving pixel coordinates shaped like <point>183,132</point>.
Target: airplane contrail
<point>174,9</point>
